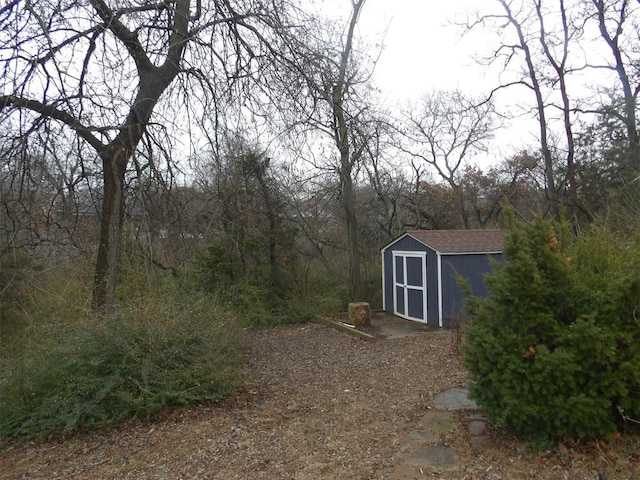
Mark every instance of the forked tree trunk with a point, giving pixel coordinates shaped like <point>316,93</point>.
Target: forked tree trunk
<point>153,81</point>
<point>612,38</point>
<point>351,221</point>
<point>533,73</point>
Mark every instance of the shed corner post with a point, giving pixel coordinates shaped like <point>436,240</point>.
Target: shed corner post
<point>439,263</point>
<point>384,279</point>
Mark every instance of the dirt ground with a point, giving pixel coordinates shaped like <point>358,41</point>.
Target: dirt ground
<point>319,404</point>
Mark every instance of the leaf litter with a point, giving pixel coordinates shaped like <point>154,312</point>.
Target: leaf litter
<point>318,404</point>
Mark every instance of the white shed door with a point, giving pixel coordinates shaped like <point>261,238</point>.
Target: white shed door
<point>409,288</point>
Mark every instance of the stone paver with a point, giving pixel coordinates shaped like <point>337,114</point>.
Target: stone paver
<point>432,425</point>
<point>429,452</point>
<point>455,399</point>
<point>438,456</point>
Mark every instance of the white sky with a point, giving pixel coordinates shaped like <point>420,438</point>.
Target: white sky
<point>424,50</point>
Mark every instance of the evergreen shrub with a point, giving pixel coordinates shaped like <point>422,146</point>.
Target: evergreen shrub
<point>553,350</point>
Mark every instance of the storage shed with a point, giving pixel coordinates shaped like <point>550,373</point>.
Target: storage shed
<point>420,271</point>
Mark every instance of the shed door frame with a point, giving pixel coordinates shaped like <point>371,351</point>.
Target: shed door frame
<point>405,287</point>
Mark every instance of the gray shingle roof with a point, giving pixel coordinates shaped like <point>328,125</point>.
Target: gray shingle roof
<point>461,241</point>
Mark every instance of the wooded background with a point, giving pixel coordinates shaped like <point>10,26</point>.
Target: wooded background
<point>243,143</point>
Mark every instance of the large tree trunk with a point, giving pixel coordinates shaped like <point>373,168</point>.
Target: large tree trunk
<point>351,221</point>
<point>348,158</point>
<point>106,273</point>
<point>153,81</point>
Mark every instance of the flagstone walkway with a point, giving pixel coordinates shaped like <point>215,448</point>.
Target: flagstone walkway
<point>430,452</point>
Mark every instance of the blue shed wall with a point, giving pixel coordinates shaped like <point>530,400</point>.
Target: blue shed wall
<point>432,288</point>
<point>471,267</point>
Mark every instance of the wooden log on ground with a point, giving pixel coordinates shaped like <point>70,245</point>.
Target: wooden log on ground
<point>344,328</point>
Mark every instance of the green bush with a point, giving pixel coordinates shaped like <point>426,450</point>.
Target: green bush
<point>166,352</point>
<point>297,294</point>
<point>553,350</point>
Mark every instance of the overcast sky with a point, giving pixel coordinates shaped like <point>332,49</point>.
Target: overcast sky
<point>424,49</point>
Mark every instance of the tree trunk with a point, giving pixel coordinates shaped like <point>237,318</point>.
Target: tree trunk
<point>351,221</point>
<point>115,158</point>
<point>461,205</point>
<point>561,72</point>
<point>549,168</point>
<point>630,104</point>
<point>106,273</point>
<point>153,81</point>
<point>347,158</point>
<point>359,314</point>
<point>272,219</point>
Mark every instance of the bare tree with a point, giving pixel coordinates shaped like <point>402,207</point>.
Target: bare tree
<point>544,46</point>
<point>509,183</point>
<point>44,198</point>
<point>444,131</point>
<point>535,51</point>
<point>556,51</point>
<point>335,73</point>
<point>613,17</point>
<point>336,92</point>
<point>389,206</point>
<point>534,81</point>
<point>101,70</point>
